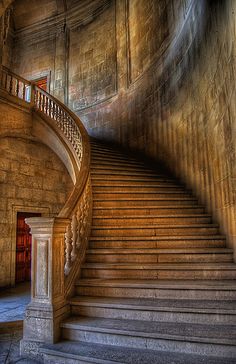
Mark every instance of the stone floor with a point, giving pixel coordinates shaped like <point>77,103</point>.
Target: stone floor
<point>13,302</point>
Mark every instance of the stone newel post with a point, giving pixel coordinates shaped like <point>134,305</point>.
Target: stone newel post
<point>48,305</point>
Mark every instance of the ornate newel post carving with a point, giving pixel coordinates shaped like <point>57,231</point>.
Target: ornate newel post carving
<point>48,305</point>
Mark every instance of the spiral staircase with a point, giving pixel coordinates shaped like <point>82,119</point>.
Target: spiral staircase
<point>138,271</point>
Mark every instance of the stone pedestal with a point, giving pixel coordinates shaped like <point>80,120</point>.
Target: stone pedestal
<point>48,305</point>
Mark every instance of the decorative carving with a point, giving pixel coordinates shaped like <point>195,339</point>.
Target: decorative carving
<point>68,249</point>
<point>77,231</point>
<point>74,226</point>
<point>41,272</point>
<point>47,105</point>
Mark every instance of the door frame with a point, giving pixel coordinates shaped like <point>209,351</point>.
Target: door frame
<point>44,211</point>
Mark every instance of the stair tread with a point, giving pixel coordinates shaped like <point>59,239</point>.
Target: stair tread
<point>160,251</point>
<point>158,266</point>
<point>216,333</point>
<point>161,283</point>
<point>184,305</point>
<point>146,199</point>
<point>157,238</point>
<point>109,354</point>
<point>164,226</point>
<point>128,217</point>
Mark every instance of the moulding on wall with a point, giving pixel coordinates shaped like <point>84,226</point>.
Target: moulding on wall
<point>50,27</point>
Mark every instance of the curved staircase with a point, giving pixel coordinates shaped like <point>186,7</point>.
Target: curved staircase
<point>158,283</point>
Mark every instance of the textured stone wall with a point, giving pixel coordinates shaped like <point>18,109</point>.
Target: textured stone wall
<point>92,63</point>
<point>175,73</point>
<point>32,179</point>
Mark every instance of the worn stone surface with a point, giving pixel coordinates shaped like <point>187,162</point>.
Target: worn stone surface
<point>13,302</point>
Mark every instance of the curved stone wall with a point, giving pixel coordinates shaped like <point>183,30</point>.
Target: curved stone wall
<point>32,179</point>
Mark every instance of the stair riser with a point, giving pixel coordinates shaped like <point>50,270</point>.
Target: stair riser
<point>60,359</point>
<point>123,172</point>
<point>120,186</point>
<point>109,177</point>
<point>121,196</point>
<point>150,220</point>
<point>158,244</point>
<point>142,211</point>
<point>149,343</point>
<point>95,167</point>
<point>136,292</point>
<point>158,274</point>
<point>143,203</point>
<point>159,258</point>
<point>118,162</point>
<point>134,183</point>
<point>149,315</point>
<point>155,231</point>
<point>112,190</point>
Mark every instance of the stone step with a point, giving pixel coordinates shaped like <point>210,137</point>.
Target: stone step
<point>133,181</point>
<point>96,168</point>
<point>134,186</point>
<point>132,178</point>
<point>164,336</point>
<point>172,310</point>
<point>154,230</point>
<point>159,242</point>
<point>117,161</point>
<point>103,156</point>
<point>159,255</point>
<point>109,150</point>
<point>158,288</point>
<point>143,202</point>
<point>147,211</point>
<point>133,195</point>
<point>138,188</point>
<point>150,219</point>
<point>160,270</point>
<point>84,353</point>
<point>124,172</point>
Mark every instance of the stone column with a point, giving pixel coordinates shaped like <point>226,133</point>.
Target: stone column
<point>48,305</point>
<point>122,44</point>
<point>60,89</point>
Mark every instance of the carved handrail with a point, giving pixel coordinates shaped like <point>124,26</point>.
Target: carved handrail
<point>59,244</point>
<point>15,85</point>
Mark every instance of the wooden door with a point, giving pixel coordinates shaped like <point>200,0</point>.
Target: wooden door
<point>42,83</point>
<point>23,247</point>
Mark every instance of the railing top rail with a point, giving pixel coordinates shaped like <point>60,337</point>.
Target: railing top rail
<point>6,70</point>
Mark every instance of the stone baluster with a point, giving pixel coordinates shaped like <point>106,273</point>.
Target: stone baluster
<point>68,249</point>
<point>74,224</point>
<point>48,305</point>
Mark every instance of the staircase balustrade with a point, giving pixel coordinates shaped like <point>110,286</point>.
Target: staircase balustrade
<point>58,244</point>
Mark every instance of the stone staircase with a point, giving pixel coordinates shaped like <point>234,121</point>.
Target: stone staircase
<point>158,283</point>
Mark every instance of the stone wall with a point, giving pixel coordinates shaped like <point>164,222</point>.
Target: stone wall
<point>175,86</point>
<point>32,179</point>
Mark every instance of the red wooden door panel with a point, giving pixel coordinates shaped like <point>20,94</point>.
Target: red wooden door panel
<point>23,247</point>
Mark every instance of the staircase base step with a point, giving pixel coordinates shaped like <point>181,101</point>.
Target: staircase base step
<point>165,336</point>
<point>82,352</point>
